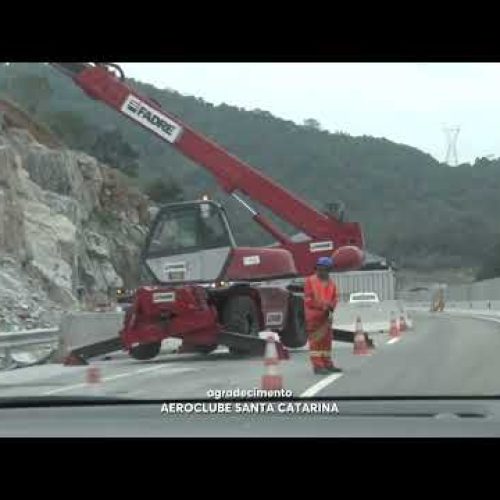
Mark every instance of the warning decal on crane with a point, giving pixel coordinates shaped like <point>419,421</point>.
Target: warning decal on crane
<point>151,118</point>
<point>163,297</point>
<point>321,246</point>
<point>274,319</point>
<point>251,260</point>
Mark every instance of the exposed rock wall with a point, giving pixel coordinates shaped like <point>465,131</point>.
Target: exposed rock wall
<point>65,221</point>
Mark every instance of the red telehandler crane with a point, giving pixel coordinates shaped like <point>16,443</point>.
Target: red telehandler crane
<point>200,286</point>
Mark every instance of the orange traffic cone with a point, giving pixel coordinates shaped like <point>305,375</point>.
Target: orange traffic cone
<point>271,380</point>
<point>394,329</point>
<point>360,345</point>
<point>93,379</point>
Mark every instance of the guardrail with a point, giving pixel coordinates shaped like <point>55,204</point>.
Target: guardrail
<point>474,308</point>
<point>492,305</point>
<point>10,341</point>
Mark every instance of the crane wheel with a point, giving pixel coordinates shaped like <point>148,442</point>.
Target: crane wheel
<point>294,335</point>
<point>143,352</point>
<point>241,315</point>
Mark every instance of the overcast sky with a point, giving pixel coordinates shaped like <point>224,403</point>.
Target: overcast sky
<point>408,103</point>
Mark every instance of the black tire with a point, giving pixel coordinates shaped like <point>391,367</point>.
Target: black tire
<point>294,335</point>
<point>241,315</point>
<point>144,352</point>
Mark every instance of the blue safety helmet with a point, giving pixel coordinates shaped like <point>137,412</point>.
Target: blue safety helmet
<point>325,262</point>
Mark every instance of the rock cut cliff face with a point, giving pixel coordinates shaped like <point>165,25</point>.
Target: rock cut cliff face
<point>66,221</point>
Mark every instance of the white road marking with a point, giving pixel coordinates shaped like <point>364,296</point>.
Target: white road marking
<point>314,389</point>
<point>120,375</point>
<point>393,340</point>
<point>488,318</point>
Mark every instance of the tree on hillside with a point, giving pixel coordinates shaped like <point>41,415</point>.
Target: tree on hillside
<point>72,128</point>
<point>112,149</point>
<point>312,123</point>
<point>490,267</point>
<point>164,190</point>
<point>487,161</point>
<point>28,90</point>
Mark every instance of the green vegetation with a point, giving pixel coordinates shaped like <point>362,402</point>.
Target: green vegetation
<point>490,267</point>
<point>71,127</point>
<point>29,88</point>
<point>111,148</point>
<point>414,210</point>
<point>105,218</point>
<point>164,190</point>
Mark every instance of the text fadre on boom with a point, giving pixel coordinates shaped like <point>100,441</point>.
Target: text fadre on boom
<point>294,407</point>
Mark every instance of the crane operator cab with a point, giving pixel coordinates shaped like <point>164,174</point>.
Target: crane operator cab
<point>188,242</point>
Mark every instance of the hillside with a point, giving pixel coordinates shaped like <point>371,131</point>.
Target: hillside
<point>414,210</point>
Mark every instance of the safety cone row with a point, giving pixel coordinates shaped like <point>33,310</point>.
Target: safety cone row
<point>360,345</point>
<point>272,378</point>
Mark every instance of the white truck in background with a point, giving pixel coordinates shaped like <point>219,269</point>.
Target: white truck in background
<point>382,282</point>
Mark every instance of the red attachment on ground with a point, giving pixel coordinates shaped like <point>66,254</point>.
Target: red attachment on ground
<point>73,360</point>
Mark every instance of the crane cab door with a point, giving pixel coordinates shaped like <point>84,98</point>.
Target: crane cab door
<point>188,242</point>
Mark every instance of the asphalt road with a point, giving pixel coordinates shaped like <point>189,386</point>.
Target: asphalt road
<point>442,355</point>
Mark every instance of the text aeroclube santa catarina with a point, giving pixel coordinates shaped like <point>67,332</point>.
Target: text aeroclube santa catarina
<point>302,407</point>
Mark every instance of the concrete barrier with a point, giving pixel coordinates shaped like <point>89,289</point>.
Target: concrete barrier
<point>80,329</point>
<point>486,305</point>
<point>84,329</point>
<point>461,311</point>
<point>375,318</point>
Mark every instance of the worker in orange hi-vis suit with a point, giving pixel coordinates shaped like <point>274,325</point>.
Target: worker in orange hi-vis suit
<point>320,300</point>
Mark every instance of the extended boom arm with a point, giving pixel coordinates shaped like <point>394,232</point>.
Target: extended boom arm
<point>231,173</point>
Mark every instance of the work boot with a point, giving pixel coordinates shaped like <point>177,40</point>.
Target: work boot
<point>321,371</point>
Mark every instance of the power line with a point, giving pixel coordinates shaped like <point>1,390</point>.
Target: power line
<point>451,140</point>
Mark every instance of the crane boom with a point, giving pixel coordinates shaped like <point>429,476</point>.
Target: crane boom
<point>231,173</point>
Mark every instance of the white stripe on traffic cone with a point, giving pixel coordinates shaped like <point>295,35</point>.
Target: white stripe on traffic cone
<point>272,379</point>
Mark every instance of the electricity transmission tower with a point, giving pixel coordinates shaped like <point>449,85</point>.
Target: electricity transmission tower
<point>451,150</point>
